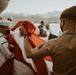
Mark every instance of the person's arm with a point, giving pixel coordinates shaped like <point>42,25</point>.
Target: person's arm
<point>27,47</point>
<point>37,52</point>
<point>27,44</point>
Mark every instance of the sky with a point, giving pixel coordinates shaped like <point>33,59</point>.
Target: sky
<point>37,6</point>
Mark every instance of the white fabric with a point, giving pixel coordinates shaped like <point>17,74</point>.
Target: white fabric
<point>21,69</point>
<point>49,65</point>
<point>5,22</point>
<point>20,41</point>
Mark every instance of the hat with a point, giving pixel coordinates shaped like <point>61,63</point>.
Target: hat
<point>69,12</point>
<point>5,22</point>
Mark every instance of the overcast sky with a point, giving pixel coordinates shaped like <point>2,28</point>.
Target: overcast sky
<point>37,6</point>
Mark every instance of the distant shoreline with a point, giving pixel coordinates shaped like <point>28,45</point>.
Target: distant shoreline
<point>48,22</point>
<point>53,22</point>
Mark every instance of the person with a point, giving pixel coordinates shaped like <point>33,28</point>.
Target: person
<point>63,49</point>
<point>23,65</point>
<point>49,32</point>
<point>6,55</point>
<point>42,29</point>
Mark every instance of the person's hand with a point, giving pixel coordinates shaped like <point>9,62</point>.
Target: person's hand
<point>23,31</point>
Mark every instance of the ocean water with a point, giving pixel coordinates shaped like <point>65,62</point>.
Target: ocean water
<point>55,27</point>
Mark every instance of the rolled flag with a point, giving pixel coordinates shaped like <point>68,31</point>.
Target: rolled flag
<point>39,66</point>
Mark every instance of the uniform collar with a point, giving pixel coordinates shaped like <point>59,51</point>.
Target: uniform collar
<point>70,31</point>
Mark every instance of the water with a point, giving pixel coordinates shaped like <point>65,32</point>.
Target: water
<point>55,27</point>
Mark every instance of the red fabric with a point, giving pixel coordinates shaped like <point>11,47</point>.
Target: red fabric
<point>17,25</point>
<point>48,58</point>
<point>17,52</point>
<point>7,68</point>
<point>31,29</point>
<point>35,41</point>
<point>37,32</point>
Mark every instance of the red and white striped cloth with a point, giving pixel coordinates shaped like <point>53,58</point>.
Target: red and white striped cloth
<point>36,67</point>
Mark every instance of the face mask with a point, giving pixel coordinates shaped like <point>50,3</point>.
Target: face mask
<point>61,28</point>
<point>7,32</point>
